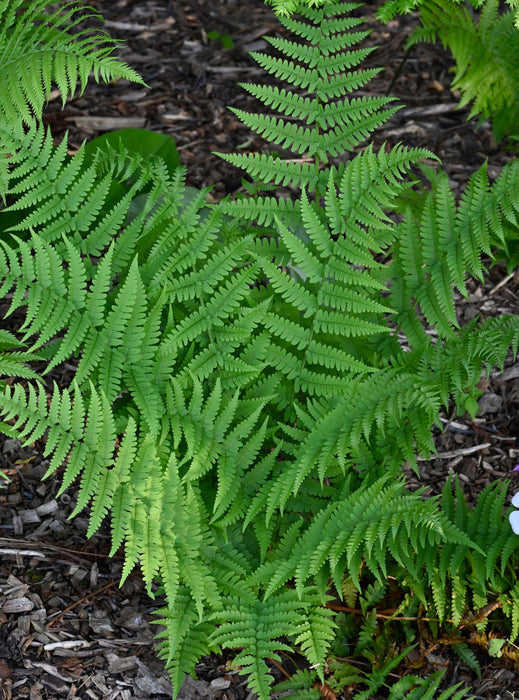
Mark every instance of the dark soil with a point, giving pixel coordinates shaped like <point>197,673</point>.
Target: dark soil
<point>66,629</point>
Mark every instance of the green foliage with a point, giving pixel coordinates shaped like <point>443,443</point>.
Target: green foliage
<point>142,141</point>
<point>49,49</point>
<point>288,7</point>
<point>413,687</point>
<point>225,39</point>
<point>251,376</point>
<point>317,120</point>
<point>304,686</point>
<point>485,48</point>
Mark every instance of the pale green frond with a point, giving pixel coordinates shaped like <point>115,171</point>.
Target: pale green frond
<point>184,639</point>
<point>258,628</point>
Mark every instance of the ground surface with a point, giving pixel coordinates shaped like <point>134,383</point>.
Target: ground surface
<point>66,629</point>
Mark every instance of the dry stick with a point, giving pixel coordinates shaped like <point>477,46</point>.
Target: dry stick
<point>486,610</point>
<point>383,614</point>
<point>78,602</point>
<point>456,453</point>
<point>22,552</point>
<point>279,667</point>
<point>74,553</point>
<point>501,284</point>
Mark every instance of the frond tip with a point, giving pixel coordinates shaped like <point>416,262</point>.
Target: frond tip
<point>316,118</point>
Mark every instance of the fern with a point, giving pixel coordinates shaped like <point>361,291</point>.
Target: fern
<point>47,49</point>
<point>413,687</point>
<point>486,73</point>
<point>246,394</point>
<point>317,118</point>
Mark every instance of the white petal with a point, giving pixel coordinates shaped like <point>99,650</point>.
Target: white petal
<point>514,521</point>
<point>515,500</point>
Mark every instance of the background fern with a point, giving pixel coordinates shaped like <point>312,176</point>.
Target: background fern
<point>50,48</point>
<point>485,48</point>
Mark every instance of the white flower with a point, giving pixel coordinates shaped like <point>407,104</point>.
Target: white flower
<point>514,517</point>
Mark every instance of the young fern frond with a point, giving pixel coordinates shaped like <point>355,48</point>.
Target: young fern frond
<point>317,118</point>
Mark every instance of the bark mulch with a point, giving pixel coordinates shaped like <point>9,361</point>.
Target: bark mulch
<point>66,628</point>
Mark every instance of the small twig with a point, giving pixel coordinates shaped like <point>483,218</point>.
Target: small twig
<point>279,667</point>
<point>23,552</point>
<point>456,453</point>
<point>93,594</point>
<point>501,284</point>
<point>382,615</point>
<point>12,542</point>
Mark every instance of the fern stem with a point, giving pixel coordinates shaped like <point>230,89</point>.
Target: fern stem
<point>317,193</point>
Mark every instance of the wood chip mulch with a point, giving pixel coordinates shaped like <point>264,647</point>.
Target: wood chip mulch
<point>66,628</point>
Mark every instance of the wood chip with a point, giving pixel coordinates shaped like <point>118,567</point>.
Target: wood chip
<point>107,123</point>
<point>17,605</point>
<point>456,453</point>
<point>67,644</point>
<point>29,516</point>
<point>47,508</point>
<point>118,664</point>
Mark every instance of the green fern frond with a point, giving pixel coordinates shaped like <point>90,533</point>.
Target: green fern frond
<point>439,242</point>
<point>13,364</point>
<point>317,120</point>
<point>366,527</point>
<point>184,640</point>
<point>486,76</point>
<point>258,629</point>
<point>39,49</point>
<point>58,196</point>
<point>316,635</point>
<point>461,574</point>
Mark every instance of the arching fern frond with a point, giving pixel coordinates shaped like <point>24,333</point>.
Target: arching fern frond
<point>40,48</point>
<point>486,73</point>
<point>367,528</point>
